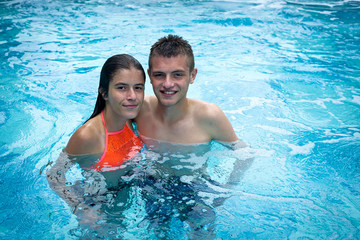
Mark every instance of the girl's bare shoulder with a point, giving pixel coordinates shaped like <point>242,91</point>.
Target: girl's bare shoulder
<point>87,139</point>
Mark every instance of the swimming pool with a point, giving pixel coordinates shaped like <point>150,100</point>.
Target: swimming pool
<point>286,73</point>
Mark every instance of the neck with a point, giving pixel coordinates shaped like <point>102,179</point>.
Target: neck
<point>173,113</point>
<point>113,121</point>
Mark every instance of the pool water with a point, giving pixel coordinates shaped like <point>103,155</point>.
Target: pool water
<point>286,73</point>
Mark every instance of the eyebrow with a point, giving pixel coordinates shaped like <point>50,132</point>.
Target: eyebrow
<point>126,84</point>
<point>175,71</point>
<point>120,83</point>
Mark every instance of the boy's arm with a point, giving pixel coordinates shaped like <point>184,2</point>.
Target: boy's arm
<point>219,126</point>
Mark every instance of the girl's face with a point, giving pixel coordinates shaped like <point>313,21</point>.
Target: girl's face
<point>126,93</point>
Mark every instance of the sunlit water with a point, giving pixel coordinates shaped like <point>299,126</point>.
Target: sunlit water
<point>286,73</point>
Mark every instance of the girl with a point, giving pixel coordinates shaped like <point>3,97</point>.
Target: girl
<point>103,144</point>
<point>108,132</point>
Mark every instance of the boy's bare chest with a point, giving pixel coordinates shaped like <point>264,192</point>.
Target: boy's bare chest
<point>186,131</point>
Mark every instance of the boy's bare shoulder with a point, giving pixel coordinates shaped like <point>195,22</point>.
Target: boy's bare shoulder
<point>214,121</point>
<point>205,110</point>
<point>148,98</point>
<point>147,106</point>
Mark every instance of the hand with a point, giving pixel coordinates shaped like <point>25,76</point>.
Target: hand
<point>88,216</point>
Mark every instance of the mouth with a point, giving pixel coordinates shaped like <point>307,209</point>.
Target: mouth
<point>168,93</point>
<point>131,106</point>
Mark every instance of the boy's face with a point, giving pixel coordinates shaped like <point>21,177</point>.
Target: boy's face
<point>170,78</point>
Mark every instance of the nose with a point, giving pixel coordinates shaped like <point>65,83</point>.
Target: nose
<point>168,83</point>
<point>131,94</point>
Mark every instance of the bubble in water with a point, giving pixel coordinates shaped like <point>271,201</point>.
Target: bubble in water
<point>68,184</point>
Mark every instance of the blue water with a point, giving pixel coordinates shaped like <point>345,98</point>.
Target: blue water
<point>286,73</point>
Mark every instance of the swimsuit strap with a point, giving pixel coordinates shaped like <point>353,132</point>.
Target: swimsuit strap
<point>103,120</point>
<point>111,133</point>
<point>106,139</point>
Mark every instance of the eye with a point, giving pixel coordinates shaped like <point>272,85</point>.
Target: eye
<point>158,75</point>
<point>178,75</point>
<point>120,87</point>
<point>139,88</point>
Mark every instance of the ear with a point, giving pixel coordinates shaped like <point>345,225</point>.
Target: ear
<point>193,75</point>
<point>149,74</point>
<point>103,93</point>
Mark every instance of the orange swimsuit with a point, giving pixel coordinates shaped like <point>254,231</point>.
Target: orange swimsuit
<point>119,147</point>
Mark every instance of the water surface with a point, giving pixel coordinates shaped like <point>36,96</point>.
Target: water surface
<point>286,73</point>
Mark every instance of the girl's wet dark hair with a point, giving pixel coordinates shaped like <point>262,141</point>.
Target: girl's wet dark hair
<point>109,69</point>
